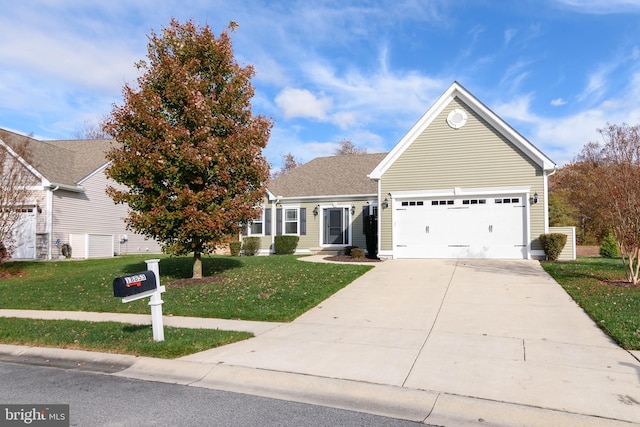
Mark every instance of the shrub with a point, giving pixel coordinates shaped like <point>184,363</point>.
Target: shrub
<point>234,247</point>
<point>357,253</point>
<point>250,246</point>
<point>609,247</point>
<point>553,243</point>
<point>285,244</point>
<point>348,249</point>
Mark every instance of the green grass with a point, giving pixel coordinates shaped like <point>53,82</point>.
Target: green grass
<point>113,337</point>
<point>273,288</point>
<point>615,309</point>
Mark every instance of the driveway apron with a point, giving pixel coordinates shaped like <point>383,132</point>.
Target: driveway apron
<point>497,330</point>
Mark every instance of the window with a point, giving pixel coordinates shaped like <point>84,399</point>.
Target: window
<point>291,221</point>
<point>256,227</point>
<point>413,203</point>
<point>441,202</point>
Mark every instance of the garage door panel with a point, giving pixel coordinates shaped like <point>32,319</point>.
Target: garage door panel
<point>478,227</point>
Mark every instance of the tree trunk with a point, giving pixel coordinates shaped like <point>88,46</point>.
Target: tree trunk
<point>197,265</point>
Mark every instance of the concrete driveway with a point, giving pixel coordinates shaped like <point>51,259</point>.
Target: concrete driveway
<point>503,331</point>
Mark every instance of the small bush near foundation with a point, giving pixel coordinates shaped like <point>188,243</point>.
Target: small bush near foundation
<point>285,244</point>
<point>357,253</point>
<point>553,243</point>
<point>609,247</point>
<point>234,247</point>
<point>250,246</point>
<point>348,249</point>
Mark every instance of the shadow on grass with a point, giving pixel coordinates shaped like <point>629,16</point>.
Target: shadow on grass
<point>135,328</point>
<point>182,267</point>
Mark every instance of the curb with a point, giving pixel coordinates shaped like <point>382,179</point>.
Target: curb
<point>422,406</point>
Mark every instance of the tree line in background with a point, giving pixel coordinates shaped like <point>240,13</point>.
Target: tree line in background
<point>599,193</point>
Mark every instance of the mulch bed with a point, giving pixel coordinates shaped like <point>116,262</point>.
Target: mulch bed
<point>7,273</point>
<point>345,258</point>
<point>619,283</point>
<point>588,250</point>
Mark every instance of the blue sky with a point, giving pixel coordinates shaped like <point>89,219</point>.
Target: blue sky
<point>556,70</point>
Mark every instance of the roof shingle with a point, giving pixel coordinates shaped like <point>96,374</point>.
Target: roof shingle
<point>329,176</point>
<point>61,162</point>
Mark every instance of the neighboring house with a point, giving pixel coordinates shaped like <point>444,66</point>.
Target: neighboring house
<point>69,204</point>
<point>461,183</point>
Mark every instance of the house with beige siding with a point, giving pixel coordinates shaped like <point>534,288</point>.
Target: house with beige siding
<point>461,183</point>
<point>69,207</point>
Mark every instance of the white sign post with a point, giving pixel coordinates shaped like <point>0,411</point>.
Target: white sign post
<point>155,302</point>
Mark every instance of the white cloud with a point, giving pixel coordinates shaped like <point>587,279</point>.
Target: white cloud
<point>598,7</point>
<point>558,102</point>
<point>302,103</point>
<point>595,87</point>
<point>509,34</point>
<point>517,109</point>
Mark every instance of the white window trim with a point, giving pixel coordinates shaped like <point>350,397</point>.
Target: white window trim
<point>250,225</point>
<point>321,224</point>
<point>284,219</point>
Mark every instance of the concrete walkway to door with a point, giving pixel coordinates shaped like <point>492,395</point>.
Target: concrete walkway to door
<point>500,332</point>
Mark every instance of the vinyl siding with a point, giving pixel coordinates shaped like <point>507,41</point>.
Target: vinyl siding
<point>93,212</point>
<point>569,251</point>
<point>312,238</point>
<point>474,156</point>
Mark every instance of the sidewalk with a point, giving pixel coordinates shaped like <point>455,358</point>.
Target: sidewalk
<point>444,342</point>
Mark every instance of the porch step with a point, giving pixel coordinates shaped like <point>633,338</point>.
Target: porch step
<point>327,251</point>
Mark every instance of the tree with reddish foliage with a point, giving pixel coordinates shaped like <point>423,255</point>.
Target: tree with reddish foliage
<point>604,180</point>
<point>190,149</point>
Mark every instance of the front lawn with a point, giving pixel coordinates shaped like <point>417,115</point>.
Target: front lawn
<point>267,288</point>
<point>111,337</point>
<point>596,285</point>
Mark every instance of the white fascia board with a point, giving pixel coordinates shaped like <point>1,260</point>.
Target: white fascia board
<point>460,192</point>
<point>271,196</point>
<point>457,90</point>
<point>341,197</point>
<point>22,161</point>
<point>100,169</point>
<point>427,118</point>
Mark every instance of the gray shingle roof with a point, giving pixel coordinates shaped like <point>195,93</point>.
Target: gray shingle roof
<point>61,162</point>
<point>329,176</point>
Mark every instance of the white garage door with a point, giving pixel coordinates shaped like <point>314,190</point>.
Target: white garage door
<point>461,227</point>
<point>24,235</point>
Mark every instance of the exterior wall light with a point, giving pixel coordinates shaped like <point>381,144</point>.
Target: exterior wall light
<point>353,209</point>
<point>534,199</point>
<point>316,210</point>
<point>385,203</point>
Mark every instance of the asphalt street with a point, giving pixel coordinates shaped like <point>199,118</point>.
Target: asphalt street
<point>105,400</point>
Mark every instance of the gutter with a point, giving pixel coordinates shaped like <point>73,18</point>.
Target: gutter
<point>74,188</point>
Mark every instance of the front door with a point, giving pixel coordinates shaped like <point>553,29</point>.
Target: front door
<point>335,226</point>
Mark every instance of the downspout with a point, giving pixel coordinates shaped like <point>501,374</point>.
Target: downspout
<point>273,223</point>
<point>49,219</point>
<point>546,199</point>
<point>380,209</point>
